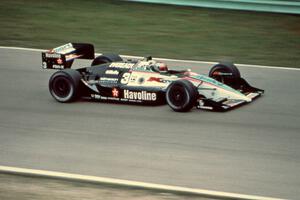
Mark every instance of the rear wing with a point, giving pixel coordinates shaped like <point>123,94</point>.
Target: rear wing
<point>63,56</point>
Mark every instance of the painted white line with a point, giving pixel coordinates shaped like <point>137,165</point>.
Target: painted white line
<point>127,183</point>
<point>21,48</point>
<point>171,60</point>
<point>268,67</point>
<point>213,63</point>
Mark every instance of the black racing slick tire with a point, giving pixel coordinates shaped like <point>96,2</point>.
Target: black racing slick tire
<point>226,73</point>
<point>106,58</point>
<point>181,95</point>
<point>64,85</point>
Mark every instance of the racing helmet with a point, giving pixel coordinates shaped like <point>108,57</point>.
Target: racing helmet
<point>160,67</point>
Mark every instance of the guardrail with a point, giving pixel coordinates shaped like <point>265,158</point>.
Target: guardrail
<point>278,6</point>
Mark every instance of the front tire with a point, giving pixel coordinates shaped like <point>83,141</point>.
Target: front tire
<point>63,85</point>
<point>181,95</point>
<point>226,73</point>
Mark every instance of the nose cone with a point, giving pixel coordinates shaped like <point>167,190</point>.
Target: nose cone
<point>238,96</point>
<point>247,99</point>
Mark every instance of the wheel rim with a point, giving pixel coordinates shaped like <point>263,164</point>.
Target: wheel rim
<point>61,87</point>
<point>178,96</point>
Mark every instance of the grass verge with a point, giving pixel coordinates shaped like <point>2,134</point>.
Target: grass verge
<point>157,30</point>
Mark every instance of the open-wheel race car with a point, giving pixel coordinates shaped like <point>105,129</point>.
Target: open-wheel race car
<point>145,81</point>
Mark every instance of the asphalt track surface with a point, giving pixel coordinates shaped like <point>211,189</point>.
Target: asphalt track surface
<point>251,150</point>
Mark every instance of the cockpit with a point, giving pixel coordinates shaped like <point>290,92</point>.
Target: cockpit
<point>147,64</point>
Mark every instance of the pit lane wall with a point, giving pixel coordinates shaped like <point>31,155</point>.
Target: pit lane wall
<point>277,6</point>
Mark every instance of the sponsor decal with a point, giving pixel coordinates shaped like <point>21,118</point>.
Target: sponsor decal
<point>112,72</point>
<point>115,92</point>
<point>92,82</point>
<point>64,49</point>
<point>122,65</point>
<point>141,80</point>
<point>155,79</point>
<point>112,98</point>
<point>160,80</point>
<point>53,55</point>
<point>57,66</point>
<point>216,73</point>
<point>95,96</point>
<point>59,61</point>
<point>108,80</point>
<point>72,56</point>
<point>233,102</point>
<point>133,79</point>
<point>141,95</point>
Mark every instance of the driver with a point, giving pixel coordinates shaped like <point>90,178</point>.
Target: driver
<point>159,67</point>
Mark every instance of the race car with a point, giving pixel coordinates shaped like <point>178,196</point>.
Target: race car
<point>143,81</point>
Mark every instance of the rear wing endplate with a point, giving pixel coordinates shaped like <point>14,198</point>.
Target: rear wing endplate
<point>63,56</point>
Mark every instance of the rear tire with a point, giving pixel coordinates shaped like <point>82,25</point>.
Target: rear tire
<point>226,68</point>
<point>64,85</point>
<point>106,58</point>
<point>181,95</point>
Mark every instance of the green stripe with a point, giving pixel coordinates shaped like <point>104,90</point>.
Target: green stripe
<point>279,6</point>
<point>216,83</point>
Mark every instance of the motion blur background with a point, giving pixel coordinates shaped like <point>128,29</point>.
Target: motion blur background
<point>132,28</point>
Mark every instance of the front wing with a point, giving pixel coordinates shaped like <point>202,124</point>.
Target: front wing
<point>224,104</point>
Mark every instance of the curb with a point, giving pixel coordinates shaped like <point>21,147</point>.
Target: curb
<point>133,184</point>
